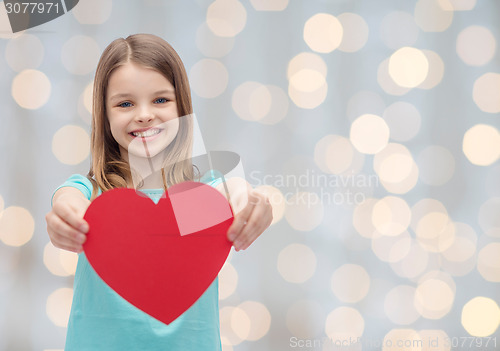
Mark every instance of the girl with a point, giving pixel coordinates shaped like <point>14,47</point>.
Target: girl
<point>141,91</point>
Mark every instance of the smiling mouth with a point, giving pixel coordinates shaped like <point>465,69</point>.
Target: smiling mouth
<point>146,133</point>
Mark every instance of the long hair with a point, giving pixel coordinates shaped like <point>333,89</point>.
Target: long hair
<point>108,169</point>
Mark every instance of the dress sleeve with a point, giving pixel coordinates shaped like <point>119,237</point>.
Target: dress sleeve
<point>79,182</point>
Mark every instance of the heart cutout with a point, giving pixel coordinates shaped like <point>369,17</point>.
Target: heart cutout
<point>161,258</point>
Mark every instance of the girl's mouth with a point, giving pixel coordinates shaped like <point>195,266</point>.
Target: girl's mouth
<point>146,133</point>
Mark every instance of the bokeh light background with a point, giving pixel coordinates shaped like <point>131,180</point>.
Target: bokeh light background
<point>372,125</point>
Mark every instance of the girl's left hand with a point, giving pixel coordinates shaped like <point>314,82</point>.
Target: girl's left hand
<point>251,221</point>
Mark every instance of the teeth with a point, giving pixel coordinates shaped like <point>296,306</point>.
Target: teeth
<point>147,133</point>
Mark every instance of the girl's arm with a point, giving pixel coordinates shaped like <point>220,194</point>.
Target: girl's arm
<point>252,212</point>
<point>65,223</point>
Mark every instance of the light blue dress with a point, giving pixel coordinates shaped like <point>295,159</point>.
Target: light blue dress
<point>101,320</point>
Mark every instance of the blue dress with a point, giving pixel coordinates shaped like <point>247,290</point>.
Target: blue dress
<point>100,319</point>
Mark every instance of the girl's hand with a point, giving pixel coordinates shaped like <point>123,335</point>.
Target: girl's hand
<point>252,213</point>
<point>65,223</point>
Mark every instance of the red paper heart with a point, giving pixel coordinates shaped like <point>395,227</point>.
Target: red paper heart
<point>161,258</point>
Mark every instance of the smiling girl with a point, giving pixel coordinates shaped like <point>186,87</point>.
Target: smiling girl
<point>141,110</point>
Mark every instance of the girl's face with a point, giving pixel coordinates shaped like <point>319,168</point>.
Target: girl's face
<point>141,110</point>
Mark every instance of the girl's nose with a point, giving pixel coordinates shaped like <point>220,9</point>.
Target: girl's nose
<point>145,116</point>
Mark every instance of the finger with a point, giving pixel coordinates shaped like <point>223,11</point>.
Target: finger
<point>71,217</point>
<point>260,220</point>
<point>239,221</point>
<point>63,232</point>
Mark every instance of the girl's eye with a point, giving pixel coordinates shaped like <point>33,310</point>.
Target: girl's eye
<point>160,101</point>
<point>125,104</point>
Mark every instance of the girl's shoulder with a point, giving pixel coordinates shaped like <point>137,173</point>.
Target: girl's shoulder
<point>79,182</point>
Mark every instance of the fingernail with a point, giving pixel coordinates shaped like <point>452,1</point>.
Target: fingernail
<point>231,236</point>
<point>81,239</point>
<point>84,228</point>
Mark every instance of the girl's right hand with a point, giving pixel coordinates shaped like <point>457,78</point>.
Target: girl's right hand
<point>65,223</point>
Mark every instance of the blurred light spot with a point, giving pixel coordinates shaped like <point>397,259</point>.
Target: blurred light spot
<point>369,134</point>
<point>481,316</point>
<point>333,154</point>
<point>71,145</point>
<point>476,45</point>
<point>308,99</point>
<point>228,281</point>
<point>88,96</point>
<point>488,262</point>
<point>361,218</point>
<point>267,104</point>
<point>386,82</point>
<point>212,45</point>
<point>391,248</point>
<point>269,5</point>
<point>489,218</point>
<point>208,78</point>
<point>350,283</point>
<point>24,52</point>
<point>304,319</point>
<point>226,345</point>
<point>31,89</point>
<point>436,165</point>
<point>398,29</point>
<point>307,80</point>
<point>93,11</point>
<point>434,338</point>
<point>16,226</point>
<point>435,232</point>
<point>391,216</point>
<point>464,245</point>
<point>431,17</point>
<point>276,199</point>
<point>260,319</point>
<point>486,92</point>
<point>296,263</point>
<point>403,120</point>
<point>395,166</point>
<point>344,323</point>
<point>323,33</point>
<point>304,210</point>
<point>481,144</point>
<point>364,102</point>
<point>422,208</point>
<point>398,305</point>
<point>408,67</point>
<point>306,60</point>
<point>433,299</point>
<point>80,54</point>
<point>226,18</point>
<point>457,5</point>
<point>52,260</point>
<point>413,264</point>
<point>68,261</point>
<point>240,323</point>
<point>229,317</point>
<point>59,306</point>
<point>402,340</point>
<point>436,70</point>
<point>355,32</point>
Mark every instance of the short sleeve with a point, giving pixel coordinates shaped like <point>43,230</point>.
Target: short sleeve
<point>212,177</point>
<point>79,182</point>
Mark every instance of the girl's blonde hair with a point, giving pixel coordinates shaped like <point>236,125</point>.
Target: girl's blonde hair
<point>108,170</point>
